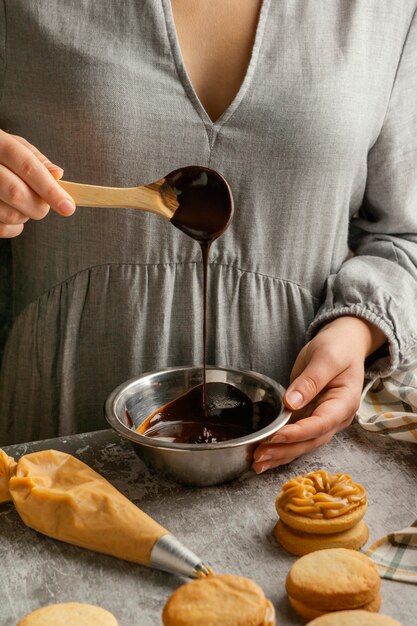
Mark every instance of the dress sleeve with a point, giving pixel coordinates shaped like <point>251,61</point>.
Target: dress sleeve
<point>379,282</point>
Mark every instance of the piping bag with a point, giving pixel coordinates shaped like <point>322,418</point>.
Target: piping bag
<point>62,497</point>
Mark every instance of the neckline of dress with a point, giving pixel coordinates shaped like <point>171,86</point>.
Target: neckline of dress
<point>185,79</point>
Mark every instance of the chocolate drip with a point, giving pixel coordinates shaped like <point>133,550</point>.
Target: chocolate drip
<point>210,412</point>
<point>204,212</point>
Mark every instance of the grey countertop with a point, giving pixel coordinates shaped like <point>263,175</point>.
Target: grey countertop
<point>229,526</point>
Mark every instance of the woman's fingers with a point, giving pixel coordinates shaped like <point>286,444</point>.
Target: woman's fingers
<point>11,216</point>
<point>269,456</point>
<point>56,171</point>
<point>28,185</point>
<point>322,367</point>
<point>7,232</point>
<point>16,194</point>
<point>325,391</point>
<point>334,409</point>
<point>19,159</point>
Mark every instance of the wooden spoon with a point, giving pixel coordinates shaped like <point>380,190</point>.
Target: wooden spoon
<point>196,199</point>
<point>158,197</point>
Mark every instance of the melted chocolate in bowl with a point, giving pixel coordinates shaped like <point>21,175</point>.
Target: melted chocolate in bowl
<point>215,411</point>
<point>230,414</point>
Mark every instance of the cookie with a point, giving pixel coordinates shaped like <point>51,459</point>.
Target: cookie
<point>321,503</point>
<point>358,618</point>
<point>310,613</point>
<point>223,599</point>
<point>69,613</point>
<point>333,579</point>
<point>299,543</point>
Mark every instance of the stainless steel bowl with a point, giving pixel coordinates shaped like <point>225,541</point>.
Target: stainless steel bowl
<point>192,464</point>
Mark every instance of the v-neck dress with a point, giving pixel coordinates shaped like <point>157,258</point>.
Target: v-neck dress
<point>320,149</point>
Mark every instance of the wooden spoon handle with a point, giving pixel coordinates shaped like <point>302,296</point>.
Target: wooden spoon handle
<point>141,198</point>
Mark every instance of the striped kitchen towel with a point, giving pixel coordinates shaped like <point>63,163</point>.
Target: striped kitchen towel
<point>396,555</point>
<point>389,406</point>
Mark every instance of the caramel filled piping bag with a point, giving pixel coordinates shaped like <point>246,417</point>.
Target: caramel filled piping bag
<point>62,497</point>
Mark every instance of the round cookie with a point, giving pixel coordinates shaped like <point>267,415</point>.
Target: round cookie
<point>309,613</point>
<point>358,618</point>
<point>222,599</point>
<point>333,579</point>
<point>299,543</point>
<point>69,613</point>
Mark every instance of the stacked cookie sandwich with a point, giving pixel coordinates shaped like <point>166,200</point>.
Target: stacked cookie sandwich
<point>333,580</point>
<point>319,511</point>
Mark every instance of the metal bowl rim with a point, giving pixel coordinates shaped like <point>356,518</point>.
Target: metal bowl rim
<point>114,397</point>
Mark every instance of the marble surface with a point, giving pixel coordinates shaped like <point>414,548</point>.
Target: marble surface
<point>229,526</point>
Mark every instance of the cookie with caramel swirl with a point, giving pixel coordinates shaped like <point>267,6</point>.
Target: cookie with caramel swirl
<point>321,503</point>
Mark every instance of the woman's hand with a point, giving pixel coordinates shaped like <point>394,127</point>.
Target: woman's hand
<point>327,380</point>
<point>28,186</point>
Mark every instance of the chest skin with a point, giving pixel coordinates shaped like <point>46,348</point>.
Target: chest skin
<point>216,40</point>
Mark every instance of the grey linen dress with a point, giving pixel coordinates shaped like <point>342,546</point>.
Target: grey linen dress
<point>319,146</point>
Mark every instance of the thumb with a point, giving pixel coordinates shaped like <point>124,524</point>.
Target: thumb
<point>303,389</point>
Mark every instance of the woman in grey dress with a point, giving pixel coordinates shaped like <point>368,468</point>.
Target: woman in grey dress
<point>307,107</point>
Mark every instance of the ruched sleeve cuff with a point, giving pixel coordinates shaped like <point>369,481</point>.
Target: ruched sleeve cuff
<point>385,360</point>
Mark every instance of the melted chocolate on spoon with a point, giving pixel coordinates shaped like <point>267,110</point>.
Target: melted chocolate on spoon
<point>209,412</point>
